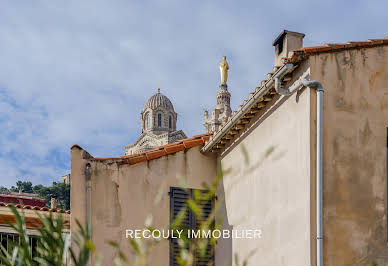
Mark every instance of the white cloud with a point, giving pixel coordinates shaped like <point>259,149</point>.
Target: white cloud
<point>80,71</point>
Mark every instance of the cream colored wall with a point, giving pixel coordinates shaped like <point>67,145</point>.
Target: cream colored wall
<point>271,190</point>
<point>77,184</point>
<point>355,140</point>
<point>124,196</point>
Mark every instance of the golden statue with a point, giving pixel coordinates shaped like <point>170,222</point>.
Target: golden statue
<point>224,67</point>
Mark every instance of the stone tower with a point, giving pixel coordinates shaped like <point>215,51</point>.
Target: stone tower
<point>158,125</point>
<point>222,111</point>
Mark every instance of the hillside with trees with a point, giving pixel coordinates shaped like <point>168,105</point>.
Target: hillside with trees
<point>59,190</point>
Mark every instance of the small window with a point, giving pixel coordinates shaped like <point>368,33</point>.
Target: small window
<point>9,240</point>
<point>279,47</point>
<point>148,122</point>
<point>159,120</point>
<point>170,122</point>
<point>190,222</point>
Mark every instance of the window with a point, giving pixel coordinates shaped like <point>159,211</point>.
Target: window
<point>148,122</point>
<point>159,120</point>
<point>6,240</point>
<point>279,47</point>
<point>178,203</point>
<point>170,122</point>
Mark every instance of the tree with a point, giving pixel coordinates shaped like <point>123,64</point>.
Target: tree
<point>24,186</point>
<point>3,189</point>
<point>60,191</point>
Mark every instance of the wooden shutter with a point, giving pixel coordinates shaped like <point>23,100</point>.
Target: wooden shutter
<point>207,206</point>
<point>178,201</point>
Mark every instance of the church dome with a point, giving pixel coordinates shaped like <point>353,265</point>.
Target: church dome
<point>159,100</point>
<point>158,115</point>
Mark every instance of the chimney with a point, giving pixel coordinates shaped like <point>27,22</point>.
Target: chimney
<point>286,42</point>
<point>53,202</point>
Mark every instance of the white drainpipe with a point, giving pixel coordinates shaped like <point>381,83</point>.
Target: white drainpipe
<point>319,166</point>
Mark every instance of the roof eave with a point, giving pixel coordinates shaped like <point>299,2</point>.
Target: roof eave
<point>283,70</point>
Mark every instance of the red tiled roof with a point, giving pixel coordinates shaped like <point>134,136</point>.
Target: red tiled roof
<point>36,208</point>
<point>25,200</point>
<point>299,55</point>
<point>160,151</point>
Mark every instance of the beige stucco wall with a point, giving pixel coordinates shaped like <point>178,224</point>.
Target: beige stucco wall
<point>355,140</point>
<point>124,196</point>
<point>271,190</point>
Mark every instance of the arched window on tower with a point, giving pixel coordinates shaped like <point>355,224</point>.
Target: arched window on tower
<point>159,120</point>
<point>147,121</point>
<point>170,122</point>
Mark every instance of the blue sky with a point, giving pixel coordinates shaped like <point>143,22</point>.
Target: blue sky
<point>80,71</point>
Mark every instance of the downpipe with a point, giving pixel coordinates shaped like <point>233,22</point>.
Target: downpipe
<point>319,167</point>
<point>319,161</point>
<point>88,201</point>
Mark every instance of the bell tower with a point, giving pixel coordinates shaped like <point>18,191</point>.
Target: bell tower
<point>222,111</point>
<point>223,100</point>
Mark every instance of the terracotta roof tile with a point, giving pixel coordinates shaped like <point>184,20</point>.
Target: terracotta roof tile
<point>76,146</point>
<point>160,151</point>
<point>174,148</point>
<point>154,154</point>
<point>36,208</point>
<point>207,137</point>
<point>23,198</point>
<point>192,143</point>
<point>299,55</point>
<point>137,159</point>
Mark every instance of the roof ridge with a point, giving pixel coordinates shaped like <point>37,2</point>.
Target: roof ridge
<point>163,150</point>
<point>295,57</point>
<point>36,208</point>
<point>298,55</point>
<point>21,197</point>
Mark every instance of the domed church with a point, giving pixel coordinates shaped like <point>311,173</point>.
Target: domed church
<point>158,125</point>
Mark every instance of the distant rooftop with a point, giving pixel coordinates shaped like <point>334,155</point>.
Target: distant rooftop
<point>22,198</point>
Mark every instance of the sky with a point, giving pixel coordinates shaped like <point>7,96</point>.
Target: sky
<point>79,72</point>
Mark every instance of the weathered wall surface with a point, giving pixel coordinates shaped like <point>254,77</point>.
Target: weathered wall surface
<point>124,196</point>
<point>267,184</point>
<point>355,140</point>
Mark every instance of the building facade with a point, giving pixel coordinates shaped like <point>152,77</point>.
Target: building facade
<point>158,125</point>
<point>66,179</point>
<point>132,192</point>
<point>275,149</point>
<point>304,159</point>
<point>32,208</point>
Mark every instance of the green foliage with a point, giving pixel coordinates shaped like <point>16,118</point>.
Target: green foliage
<point>53,246</point>
<point>60,190</point>
<point>24,186</point>
<point>3,189</point>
